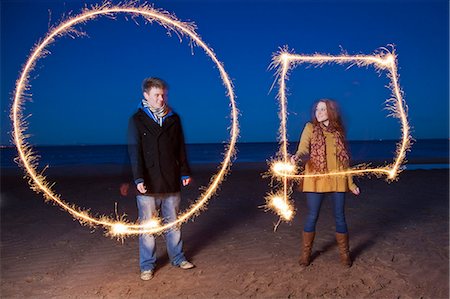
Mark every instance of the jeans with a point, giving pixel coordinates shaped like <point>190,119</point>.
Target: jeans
<point>314,201</point>
<point>169,205</point>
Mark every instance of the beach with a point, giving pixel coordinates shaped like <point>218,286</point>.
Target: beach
<point>399,240</point>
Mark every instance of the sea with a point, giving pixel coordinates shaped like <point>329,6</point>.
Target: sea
<point>424,153</point>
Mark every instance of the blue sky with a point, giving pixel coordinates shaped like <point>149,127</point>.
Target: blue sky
<point>86,89</point>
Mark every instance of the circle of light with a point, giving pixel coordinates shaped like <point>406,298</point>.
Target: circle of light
<point>284,61</point>
<point>29,161</point>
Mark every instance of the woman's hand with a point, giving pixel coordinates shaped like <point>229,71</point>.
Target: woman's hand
<point>294,159</point>
<point>356,191</point>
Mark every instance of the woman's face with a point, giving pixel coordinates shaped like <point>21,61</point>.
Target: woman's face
<point>321,112</point>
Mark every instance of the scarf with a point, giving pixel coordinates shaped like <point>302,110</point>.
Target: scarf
<point>158,113</point>
<point>318,148</point>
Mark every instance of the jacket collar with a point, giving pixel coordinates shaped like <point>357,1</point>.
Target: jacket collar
<point>152,126</point>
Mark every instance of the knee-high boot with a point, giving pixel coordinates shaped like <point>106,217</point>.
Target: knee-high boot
<point>308,239</point>
<point>344,252</point>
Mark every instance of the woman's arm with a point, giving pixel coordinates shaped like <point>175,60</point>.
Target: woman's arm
<point>302,152</point>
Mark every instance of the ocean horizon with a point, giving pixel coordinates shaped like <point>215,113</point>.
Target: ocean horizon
<point>424,154</point>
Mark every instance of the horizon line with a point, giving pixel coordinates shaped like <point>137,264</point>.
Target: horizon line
<point>223,142</point>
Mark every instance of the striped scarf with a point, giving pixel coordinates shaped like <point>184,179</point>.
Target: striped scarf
<point>159,113</point>
<point>318,148</point>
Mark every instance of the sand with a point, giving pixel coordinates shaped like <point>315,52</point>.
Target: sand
<point>398,238</point>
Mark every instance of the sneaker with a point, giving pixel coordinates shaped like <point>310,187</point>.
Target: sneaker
<point>147,274</point>
<point>186,265</point>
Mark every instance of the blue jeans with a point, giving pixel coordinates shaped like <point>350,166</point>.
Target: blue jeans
<point>169,205</point>
<point>314,201</point>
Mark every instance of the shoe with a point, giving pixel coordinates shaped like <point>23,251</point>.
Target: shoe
<point>186,265</point>
<point>147,274</point>
<point>344,252</point>
<point>308,239</point>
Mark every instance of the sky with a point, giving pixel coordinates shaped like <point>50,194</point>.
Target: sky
<point>85,90</point>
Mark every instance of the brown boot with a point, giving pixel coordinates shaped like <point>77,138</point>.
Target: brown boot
<point>308,238</point>
<point>342,241</point>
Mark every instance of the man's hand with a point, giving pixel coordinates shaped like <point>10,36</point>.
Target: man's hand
<point>141,188</point>
<point>186,181</point>
<point>356,191</point>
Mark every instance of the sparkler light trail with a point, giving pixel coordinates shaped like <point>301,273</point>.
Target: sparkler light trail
<point>29,161</point>
<point>282,169</point>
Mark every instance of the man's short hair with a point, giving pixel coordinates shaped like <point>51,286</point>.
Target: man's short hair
<point>154,82</point>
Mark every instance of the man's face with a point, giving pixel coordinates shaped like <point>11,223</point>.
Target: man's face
<point>157,97</point>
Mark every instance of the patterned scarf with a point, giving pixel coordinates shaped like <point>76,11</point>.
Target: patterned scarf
<point>318,148</point>
<point>159,113</point>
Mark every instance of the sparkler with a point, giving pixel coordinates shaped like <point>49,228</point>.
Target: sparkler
<point>283,170</point>
<point>282,207</point>
<point>29,161</point>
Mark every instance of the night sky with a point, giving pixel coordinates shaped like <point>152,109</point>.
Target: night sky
<point>87,88</point>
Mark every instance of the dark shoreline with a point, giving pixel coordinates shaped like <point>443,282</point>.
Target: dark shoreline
<point>378,153</point>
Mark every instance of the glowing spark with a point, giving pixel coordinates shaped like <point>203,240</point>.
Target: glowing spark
<point>29,161</point>
<point>119,229</point>
<point>383,60</point>
<point>151,224</point>
<point>283,168</point>
<point>281,207</point>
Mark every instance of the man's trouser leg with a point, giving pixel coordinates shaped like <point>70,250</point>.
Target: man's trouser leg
<point>147,246</point>
<point>170,206</point>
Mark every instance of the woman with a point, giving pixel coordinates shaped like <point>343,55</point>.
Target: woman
<point>323,146</point>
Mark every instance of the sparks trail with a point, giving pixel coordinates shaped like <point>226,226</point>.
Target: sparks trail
<point>29,161</point>
<point>281,168</point>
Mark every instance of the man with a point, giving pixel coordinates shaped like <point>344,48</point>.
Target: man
<point>158,158</point>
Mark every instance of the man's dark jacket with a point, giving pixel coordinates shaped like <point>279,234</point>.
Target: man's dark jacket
<point>157,153</point>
